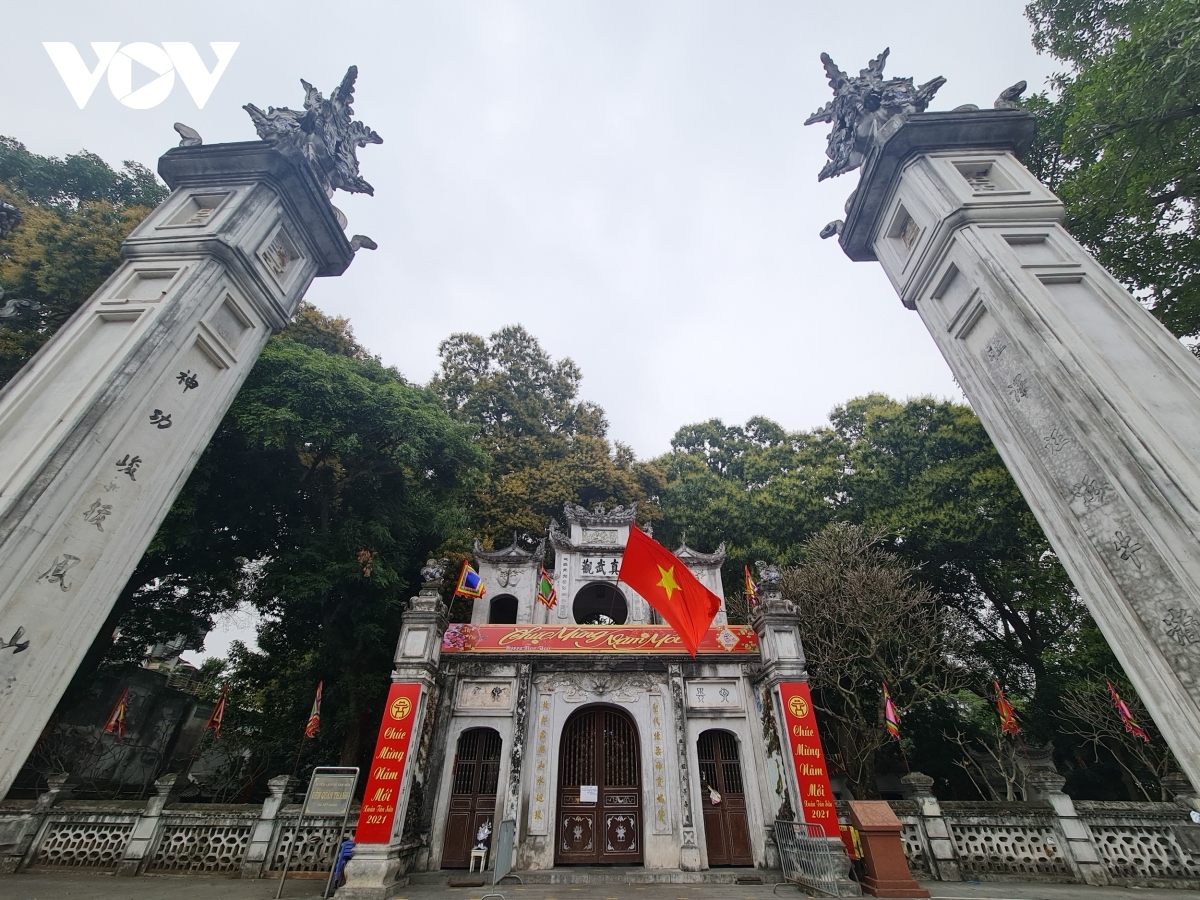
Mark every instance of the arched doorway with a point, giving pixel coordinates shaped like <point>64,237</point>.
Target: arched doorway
<point>600,604</point>
<point>472,795</point>
<point>503,610</point>
<point>723,799</point>
<point>599,749</point>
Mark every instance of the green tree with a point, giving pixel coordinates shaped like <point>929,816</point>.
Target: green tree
<point>1121,141</point>
<point>546,447</point>
<point>865,622</point>
<point>76,213</point>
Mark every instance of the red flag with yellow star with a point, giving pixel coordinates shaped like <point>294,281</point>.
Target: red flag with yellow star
<point>665,582</point>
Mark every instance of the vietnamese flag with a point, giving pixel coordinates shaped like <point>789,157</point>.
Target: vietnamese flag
<point>669,586</point>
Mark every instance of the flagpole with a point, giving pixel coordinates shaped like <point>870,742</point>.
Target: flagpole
<point>299,753</point>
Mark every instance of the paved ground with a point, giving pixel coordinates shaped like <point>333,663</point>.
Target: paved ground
<point>91,886</point>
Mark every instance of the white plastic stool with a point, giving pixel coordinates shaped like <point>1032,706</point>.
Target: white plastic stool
<point>480,855</point>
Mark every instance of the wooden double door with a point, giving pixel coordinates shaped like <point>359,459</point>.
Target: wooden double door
<point>723,799</point>
<point>599,749</point>
<point>472,797</point>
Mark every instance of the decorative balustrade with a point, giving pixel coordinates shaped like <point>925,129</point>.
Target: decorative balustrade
<point>1052,838</point>
<point>1049,839</point>
<point>132,838</point>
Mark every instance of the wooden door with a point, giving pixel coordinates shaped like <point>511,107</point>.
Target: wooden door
<point>473,795</point>
<point>599,747</point>
<point>726,829</point>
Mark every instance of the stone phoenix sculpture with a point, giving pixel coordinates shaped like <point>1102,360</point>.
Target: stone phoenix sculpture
<point>323,134</point>
<point>861,107</point>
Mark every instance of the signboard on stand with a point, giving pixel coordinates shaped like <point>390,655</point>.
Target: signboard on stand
<point>382,795</point>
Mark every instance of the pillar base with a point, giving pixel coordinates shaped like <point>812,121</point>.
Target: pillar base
<point>371,874</point>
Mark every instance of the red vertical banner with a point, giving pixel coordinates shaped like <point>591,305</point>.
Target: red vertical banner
<point>812,775</point>
<point>382,795</point>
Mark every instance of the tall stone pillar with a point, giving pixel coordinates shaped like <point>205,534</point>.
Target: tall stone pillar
<point>782,661</point>
<point>100,430</point>
<point>375,872</point>
<point>689,850</point>
<point>1093,405</point>
<point>776,622</point>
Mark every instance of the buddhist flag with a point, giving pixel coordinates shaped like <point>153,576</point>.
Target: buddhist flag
<point>470,585</point>
<point>116,719</point>
<point>1008,716</point>
<point>218,714</point>
<point>891,718</point>
<point>314,717</point>
<point>752,598</point>
<point>1123,711</point>
<point>546,594</point>
<point>666,584</point>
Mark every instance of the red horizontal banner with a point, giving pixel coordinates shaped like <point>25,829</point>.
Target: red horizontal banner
<point>725,640</point>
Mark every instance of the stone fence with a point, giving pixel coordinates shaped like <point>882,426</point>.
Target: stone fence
<point>131,837</point>
<point>1052,838</point>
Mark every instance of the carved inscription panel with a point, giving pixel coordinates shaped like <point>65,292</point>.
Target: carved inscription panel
<point>485,695</point>
<point>1139,570</point>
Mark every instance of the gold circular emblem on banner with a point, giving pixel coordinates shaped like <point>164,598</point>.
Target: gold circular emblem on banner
<point>798,707</point>
<point>401,707</point>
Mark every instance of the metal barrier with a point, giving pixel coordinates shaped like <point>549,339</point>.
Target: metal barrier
<point>806,858</point>
<point>502,858</point>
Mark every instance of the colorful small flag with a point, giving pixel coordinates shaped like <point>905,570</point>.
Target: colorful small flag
<point>752,598</point>
<point>663,581</point>
<point>1131,726</point>
<point>891,718</point>
<point>546,593</point>
<point>470,585</point>
<point>116,718</point>
<point>314,717</point>
<point>218,714</point>
<point>1008,715</point>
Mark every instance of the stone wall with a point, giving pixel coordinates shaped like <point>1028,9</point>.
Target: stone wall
<point>1048,840</point>
<point>132,838</point>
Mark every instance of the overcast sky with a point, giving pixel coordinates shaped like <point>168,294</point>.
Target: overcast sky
<point>631,181</point>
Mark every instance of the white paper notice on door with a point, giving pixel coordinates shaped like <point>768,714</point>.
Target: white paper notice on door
<point>588,793</point>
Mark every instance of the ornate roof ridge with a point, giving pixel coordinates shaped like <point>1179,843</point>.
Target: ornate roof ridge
<point>688,555</point>
<point>512,553</point>
<point>618,515</point>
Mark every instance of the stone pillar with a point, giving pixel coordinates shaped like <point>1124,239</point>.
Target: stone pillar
<point>516,757</point>
<point>99,431</point>
<point>1093,405</point>
<point>689,851</point>
<point>777,625</point>
<point>58,787</point>
<point>782,656</point>
<point>16,836</point>
<point>943,858</point>
<point>1182,793</point>
<point>375,871</point>
<point>1044,783</point>
<point>137,853</point>
<point>255,863</point>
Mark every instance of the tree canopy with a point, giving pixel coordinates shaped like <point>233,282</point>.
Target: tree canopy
<point>546,446</point>
<point>1120,143</point>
